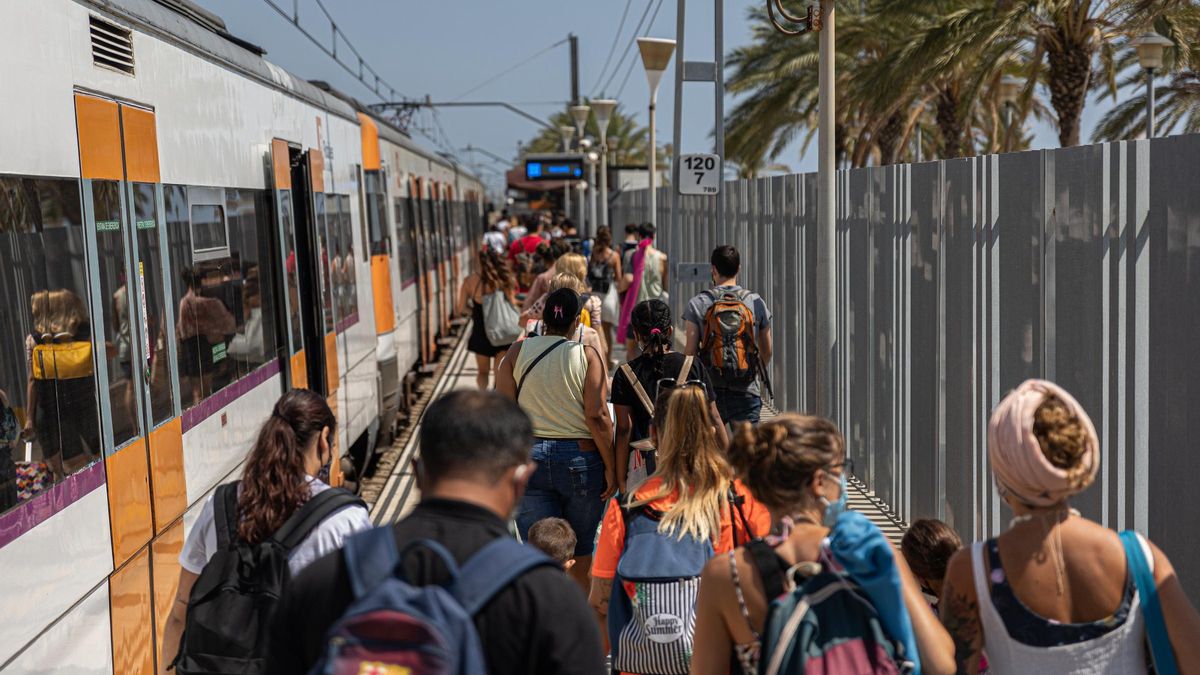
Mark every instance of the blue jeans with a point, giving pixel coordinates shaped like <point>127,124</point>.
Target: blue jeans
<point>567,484</point>
<point>738,406</point>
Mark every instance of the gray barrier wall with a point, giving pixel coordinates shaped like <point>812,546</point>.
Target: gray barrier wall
<point>957,280</point>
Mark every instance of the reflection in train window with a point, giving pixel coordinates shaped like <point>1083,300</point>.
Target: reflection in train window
<point>350,268</point>
<point>115,298</point>
<point>291,272</point>
<point>329,275</point>
<point>49,421</point>
<point>222,328</point>
<point>376,212</point>
<point>156,353</point>
<point>208,228</point>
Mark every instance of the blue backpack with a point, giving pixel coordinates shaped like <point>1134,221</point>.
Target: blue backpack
<point>394,626</point>
<point>652,612</point>
<point>822,623</point>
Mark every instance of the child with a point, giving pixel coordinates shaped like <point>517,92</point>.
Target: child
<point>927,547</point>
<point>556,539</point>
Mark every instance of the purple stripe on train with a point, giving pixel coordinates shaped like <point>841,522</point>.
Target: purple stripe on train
<point>25,516</point>
<point>347,322</point>
<point>211,405</point>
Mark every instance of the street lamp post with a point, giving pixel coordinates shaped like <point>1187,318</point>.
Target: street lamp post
<point>1009,89</point>
<point>603,109</point>
<point>592,158</point>
<point>568,133</point>
<point>656,56</point>
<point>579,113</point>
<point>585,145</point>
<point>1150,47</point>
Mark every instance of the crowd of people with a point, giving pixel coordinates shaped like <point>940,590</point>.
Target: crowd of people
<point>667,527</point>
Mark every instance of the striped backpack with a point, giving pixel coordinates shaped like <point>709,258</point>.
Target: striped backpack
<point>652,612</point>
<point>823,623</point>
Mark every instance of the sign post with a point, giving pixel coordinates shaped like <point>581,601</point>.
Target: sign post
<point>699,174</point>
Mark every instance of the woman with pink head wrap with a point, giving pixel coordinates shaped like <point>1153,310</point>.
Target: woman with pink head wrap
<point>1053,594</point>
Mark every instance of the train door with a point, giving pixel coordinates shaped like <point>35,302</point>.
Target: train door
<point>135,369</point>
<point>413,209</point>
<point>455,243</point>
<point>439,220</point>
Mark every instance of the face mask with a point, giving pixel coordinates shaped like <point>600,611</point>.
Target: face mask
<point>833,510</point>
<point>323,474</point>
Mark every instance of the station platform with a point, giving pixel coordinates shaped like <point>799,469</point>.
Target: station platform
<point>399,493</point>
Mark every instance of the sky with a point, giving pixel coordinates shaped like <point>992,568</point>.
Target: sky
<point>459,49</point>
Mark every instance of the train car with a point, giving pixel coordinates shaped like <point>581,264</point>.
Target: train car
<point>186,231</point>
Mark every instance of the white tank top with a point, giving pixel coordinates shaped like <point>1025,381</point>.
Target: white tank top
<point>1120,651</point>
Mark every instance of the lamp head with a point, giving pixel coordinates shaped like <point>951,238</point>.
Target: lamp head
<point>1150,47</point>
<point>1009,89</point>
<point>656,56</point>
<point>579,113</point>
<point>603,109</point>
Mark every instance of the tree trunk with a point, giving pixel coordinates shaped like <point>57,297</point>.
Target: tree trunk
<point>888,138</point>
<point>1069,72</point>
<point>949,123</point>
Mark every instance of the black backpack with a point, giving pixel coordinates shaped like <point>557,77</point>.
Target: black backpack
<point>230,610</point>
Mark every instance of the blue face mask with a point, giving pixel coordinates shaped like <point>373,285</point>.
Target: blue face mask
<point>834,510</point>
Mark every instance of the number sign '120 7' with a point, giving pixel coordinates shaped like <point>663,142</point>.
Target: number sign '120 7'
<point>699,174</point>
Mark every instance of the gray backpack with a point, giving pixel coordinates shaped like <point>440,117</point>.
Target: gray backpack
<point>501,321</point>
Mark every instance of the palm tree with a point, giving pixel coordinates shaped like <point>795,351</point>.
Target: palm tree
<point>1069,46</point>
<point>628,143</point>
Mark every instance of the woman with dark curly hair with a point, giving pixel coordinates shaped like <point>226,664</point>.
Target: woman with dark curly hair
<point>294,448</point>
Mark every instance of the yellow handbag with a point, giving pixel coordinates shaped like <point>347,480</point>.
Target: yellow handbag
<point>62,360</point>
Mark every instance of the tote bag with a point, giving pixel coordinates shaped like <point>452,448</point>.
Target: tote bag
<point>501,321</point>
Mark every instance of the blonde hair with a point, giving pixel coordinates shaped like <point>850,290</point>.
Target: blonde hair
<point>563,280</point>
<point>692,466</point>
<point>59,312</point>
<point>573,264</point>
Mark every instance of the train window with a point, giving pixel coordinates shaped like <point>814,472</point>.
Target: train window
<point>327,257</point>
<point>153,304</point>
<point>209,233</point>
<point>49,420</point>
<point>115,298</point>
<point>406,254</point>
<point>249,234</point>
<point>377,212</point>
<point>290,270</point>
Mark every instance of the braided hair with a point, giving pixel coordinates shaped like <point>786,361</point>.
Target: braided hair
<point>651,322</point>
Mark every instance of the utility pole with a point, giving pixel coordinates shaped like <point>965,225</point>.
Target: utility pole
<point>574,68</point>
<point>826,337</point>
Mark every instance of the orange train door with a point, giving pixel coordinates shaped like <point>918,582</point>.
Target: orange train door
<point>136,372</point>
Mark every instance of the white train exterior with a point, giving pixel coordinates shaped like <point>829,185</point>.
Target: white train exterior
<point>186,230</point>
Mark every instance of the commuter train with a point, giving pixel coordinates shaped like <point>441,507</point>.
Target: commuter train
<point>186,231</point>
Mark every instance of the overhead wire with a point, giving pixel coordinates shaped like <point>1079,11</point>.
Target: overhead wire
<point>331,51</point>
<point>612,48</point>
<point>628,47</point>
<point>510,69</point>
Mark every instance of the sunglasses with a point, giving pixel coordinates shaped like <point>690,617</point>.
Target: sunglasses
<point>669,383</point>
<point>846,465</point>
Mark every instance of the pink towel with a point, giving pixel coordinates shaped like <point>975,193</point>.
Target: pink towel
<point>1020,467</point>
<point>631,295</point>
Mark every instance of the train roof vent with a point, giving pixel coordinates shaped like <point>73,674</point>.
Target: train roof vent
<point>112,46</point>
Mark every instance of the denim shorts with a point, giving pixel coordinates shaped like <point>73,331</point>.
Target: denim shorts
<point>567,484</point>
<point>738,406</point>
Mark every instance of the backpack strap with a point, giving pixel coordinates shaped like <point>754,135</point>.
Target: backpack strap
<point>308,516</point>
<point>370,557</point>
<point>225,514</point>
<point>766,562</point>
<point>638,388</point>
<point>735,507</point>
<point>493,568</point>
<point>684,371</point>
<point>1156,627</point>
<point>533,364</point>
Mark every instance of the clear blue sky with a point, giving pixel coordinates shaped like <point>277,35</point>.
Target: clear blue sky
<point>443,49</point>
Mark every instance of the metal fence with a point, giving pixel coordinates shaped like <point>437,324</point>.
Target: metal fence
<point>958,279</point>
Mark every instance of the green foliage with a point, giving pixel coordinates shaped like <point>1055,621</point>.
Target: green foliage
<point>937,66</point>
<point>628,143</point>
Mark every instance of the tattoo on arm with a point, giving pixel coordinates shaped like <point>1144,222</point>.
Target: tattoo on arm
<point>960,616</point>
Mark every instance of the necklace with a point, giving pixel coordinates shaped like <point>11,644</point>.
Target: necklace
<point>1056,550</point>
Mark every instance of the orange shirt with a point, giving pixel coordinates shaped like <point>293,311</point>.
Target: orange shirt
<point>612,531</point>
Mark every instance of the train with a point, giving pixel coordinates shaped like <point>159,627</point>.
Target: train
<point>186,231</point>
